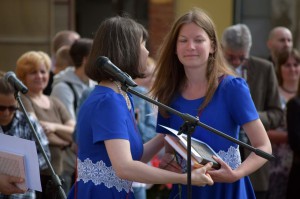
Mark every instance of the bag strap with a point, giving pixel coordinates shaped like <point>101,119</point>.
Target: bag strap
<point>76,97</point>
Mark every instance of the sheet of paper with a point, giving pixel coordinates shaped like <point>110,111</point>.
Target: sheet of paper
<point>28,149</point>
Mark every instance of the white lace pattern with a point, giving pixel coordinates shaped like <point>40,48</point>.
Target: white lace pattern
<point>99,173</point>
<point>232,157</point>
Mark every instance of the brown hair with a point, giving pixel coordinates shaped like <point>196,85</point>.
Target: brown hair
<point>30,61</point>
<point>119,39</point>
<point>64,38</point>
<point>170,72</point>
<point>5,87</point>
<point>282,59</point>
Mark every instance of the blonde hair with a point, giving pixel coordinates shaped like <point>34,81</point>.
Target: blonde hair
<point>30,61</point>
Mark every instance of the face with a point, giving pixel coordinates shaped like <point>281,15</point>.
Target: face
<point>193,46</point>
<point>281,41</point>
<point>143,55</point>
<point>290,70</point>
<point>8,107</point>
<point>235,58</point>
<point>37,80</point>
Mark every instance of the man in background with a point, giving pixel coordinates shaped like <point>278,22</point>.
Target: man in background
<point>261,79</point>
<point>280,41</point>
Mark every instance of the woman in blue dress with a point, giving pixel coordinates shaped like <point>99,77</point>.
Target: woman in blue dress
<point>192,77</point>
<point>111,153</point>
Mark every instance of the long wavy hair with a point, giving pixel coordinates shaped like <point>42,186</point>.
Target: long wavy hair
<point>171,78</point>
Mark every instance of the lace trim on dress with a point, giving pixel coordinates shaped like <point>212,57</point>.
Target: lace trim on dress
<point>99,173</point>
<point>232,157</point>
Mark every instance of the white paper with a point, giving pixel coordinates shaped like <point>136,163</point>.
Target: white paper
<point>28,149</point>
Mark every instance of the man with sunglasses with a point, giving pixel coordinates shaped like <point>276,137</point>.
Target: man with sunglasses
<point>261,79</point>
<point>13,122</point>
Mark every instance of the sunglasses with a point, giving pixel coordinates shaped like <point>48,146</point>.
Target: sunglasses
<point>9,108</point>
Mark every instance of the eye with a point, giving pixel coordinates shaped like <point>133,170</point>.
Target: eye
<point>182,40</point>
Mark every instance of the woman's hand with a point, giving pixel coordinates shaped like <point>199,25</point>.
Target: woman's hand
<point>201,177</point>
<point>224,174</point>
<point>48,127</point>
<point>8,184</point>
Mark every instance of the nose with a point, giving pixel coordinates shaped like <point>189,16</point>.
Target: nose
<point>191,45</point>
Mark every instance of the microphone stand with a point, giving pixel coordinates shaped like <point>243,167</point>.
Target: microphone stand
<point>190,123</point>
<point>55,178</point>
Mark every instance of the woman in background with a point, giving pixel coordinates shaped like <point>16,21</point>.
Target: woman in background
<point>33,69</point>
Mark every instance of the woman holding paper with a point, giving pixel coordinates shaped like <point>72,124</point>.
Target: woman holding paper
<point>192,77</point>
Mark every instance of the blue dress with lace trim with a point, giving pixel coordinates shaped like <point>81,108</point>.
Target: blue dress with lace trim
<point>103,116</point>
<point>230,108</point>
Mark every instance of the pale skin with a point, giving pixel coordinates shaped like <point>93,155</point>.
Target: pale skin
<point>57,134</point>
<point>193,47</point>
<point>8,184</point>
<point>280,40</point>
<point>138,171</point>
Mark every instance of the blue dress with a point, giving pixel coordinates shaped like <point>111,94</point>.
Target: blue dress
<point>230,108</point>
<point>103,116</point>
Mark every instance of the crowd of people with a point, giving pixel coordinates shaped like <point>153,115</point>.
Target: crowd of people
<point>101,139</point>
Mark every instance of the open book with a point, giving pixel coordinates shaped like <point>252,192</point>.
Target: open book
<point>13,165</point>
<point>201,152</point>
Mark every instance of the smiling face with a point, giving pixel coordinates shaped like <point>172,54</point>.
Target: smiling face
<point>193,46</point>
<point>37,79</point>
<point>290,70</point>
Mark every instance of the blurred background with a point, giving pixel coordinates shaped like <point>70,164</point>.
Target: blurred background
<point>31,24</point>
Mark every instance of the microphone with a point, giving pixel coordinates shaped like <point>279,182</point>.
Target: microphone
<point>114,71</point>
<point>15,82</point>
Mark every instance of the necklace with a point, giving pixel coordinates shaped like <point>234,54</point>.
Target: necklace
<point>288,91</point>
<point>124,94</point>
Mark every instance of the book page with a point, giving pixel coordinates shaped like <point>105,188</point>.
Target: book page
<point>13,165</point>
<point>199,150</point>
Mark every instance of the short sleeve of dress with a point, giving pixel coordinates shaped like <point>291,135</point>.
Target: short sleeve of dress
<point>239,100</point>
<point>111,119</point>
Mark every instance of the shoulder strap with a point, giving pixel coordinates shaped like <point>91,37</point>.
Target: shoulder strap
<point>76,97</point>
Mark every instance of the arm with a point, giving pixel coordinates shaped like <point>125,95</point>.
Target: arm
<point>127,168</point>
<point>63,131</point>
<point>152,147</point>
<point>8,184</point>
<point>259,139</point>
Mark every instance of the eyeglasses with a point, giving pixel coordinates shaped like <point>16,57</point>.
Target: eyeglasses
<point>9,108</point>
